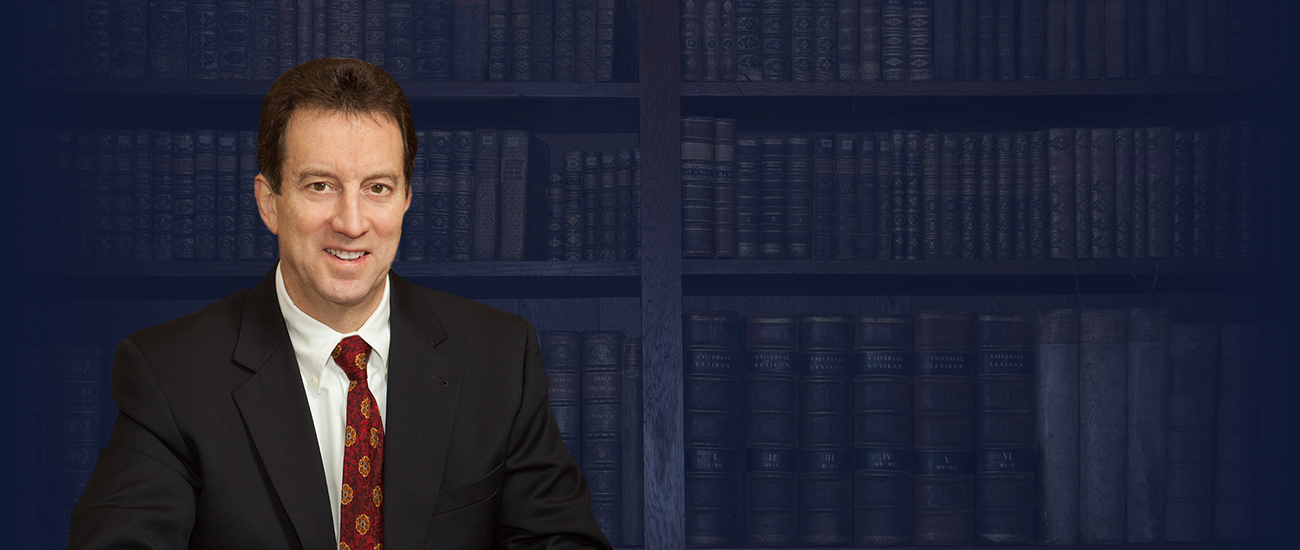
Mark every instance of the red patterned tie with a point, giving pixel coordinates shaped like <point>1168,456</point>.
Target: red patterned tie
<point>362,515</point>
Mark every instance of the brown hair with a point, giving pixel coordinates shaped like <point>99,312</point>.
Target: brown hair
<point>336,84</point>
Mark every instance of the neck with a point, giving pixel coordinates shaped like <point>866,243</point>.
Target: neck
<point>342,318</point>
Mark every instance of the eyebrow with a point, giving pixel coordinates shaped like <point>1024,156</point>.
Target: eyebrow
<point>330,175</point>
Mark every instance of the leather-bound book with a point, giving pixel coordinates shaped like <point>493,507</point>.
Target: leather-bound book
<point>77,407</point>
<point>1197,38</point>
<point>749,64</point>
<point>633,443</point>
<point>1039,198</point>
<point>898,194</point>
<point>415,224</point>
<point>591,230</point>
<point>970,196</point>
<point>479,28</point>
<point>870,36</point>
<point>1224,227</point>
<point>246,217</point>
<point>798,197</point>
<point>574,227</point>
<point>1007,40</point>
<point>123,192</point>
<point>943,428</point>
<point>771,198</point>
<point>606,210</point>
<point>514,194</point>
<point>1180,212</point>
<point>697,186</point>
<point>487,192</point>
<point>1102,191</point>
<point>203,37</point>
<point>1074,39</point>
<point>893,39</point>
<point>968,40</point>
<point>128,39</point>
<point>1140,190</point>
<point>988,39</point>
<point>439,155</point>
<point>1136,40</point>
<point>1157,44</point>
<point>726,41</point>
<point>161,195</point>
<point>624,245</point>
<point>1004,430</point>
<point>166,46</point>
<point>1033,39</point>
<point>373,39</point>
<point>826,66</point>
<point>1020,196</point>
<point>1148,396</point>
<point>543,43</point>
<point>931,156</point>
<point>988,196</point>
<point>884,195</point>
<point>1202,229</point>
<point>234,25</point>
<point>950,197</point>
<point>227,194</point>
<point>636,203</point>
<point>771,429</point>
<point>845,197</point>
<point>553,249</point>
<point>1103,364</point>
<point>912,196</point>
<point>692,41</point>
<point>1082,193</point>
<point>1056,424</point>
<point>1177,36</point>
<point>825,444</point>
<point>920,40</point>
<point>602,428</point>
<point>521,41</point>
<point>867,185</point>
<point>562,359</point>
<point>565,19</point>
<point>343,35</point>
<point>1116,39</point>
<point>1237,432</point>
<point>882,431</point>
<point>205,195</point>
<point>464,148</point>
<point>774,39</point>
<point>1004,199</point>
<point>399,41</point>
<point>1189,474</point>
<point>1055,61</point>
<point>748,152</point>
<point>802,24</point>
<point>584,40</point>
<point>823,197</point>
<point>710,36</point>
<point>183,188</point>
<point>846,40</point>
<point>1123,233</point>
<point>711,427</point>
<point>264,51</point>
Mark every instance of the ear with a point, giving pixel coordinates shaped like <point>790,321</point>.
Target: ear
<point>407,206</point>
<point>266,202</point>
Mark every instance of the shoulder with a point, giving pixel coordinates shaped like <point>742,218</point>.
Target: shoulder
<point>215,325</point>
<point>462,317</point>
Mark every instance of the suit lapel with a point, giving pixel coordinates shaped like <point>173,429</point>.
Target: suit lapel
<point>423,389</point>
<point>275,411</point>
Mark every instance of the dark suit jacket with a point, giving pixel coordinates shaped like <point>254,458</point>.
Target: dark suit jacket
<point>215,447</point>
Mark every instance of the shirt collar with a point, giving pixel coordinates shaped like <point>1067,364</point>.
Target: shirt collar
<point>314,341</point>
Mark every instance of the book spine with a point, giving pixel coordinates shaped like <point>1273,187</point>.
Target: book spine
<point>1094,39</point>
<point>264,52</point>
<point>30,443</point>
<point>624,245</point>
<point>123,192</point>
<point>142,195</point>
<point>1033,39</point>
<point>162,196</point>
<point>1082,192</point>
<point>970,196</point>
<point>893,36</point>
<point>1123,215</point>
<point>128,39</point>
<point>203,31</point>
<point>398,39</point>
<point>633,431</point>
<point>943,427</point>
<point>1074,39</point>
<point>1020,195</point>
<point>1180,215</point>
<point>1054,64</point>
<point>1004,433</point>
<point>471,19</point>
<point>95,39</point>
<point>1007,35</point>
<point>205,195</point>
<point>565,19</point>
<point>798,198</point>
<point>968,40</point>
<point>947,39</point>
<point>882,431</point>
<point>1224,192</point>
<point>1039,196</point>
<point>931,156</point>
<point>606,209</point>
<point>1103,363</point>
<point>724,188</point>
<point>591,230</point>
<point>1236,432</point>
<point>584,41</point>
<point>867,185</point>
<point>698,174</point>
<point>234,38</point>
<point>825,455</point>
<point>802,35</point>
<point>574,232</point>
<point>462,194</point>
<point>1135,39</point>
<point>373,38</point>
<point>912,196</point>
<point>1004,205</point>
<point>1102,192</point>
<point>846,197</point>
<point>823,197</point>
<point>433,39</point>
<point>1157,44</point>
<point>562,359</point>
<point>1202,189</point>
<point>415,245</point>
<point>227,195</point>
<point>77,407</point>
<point>950,197</point>
<point>846,39</point>
<point>498,40</point>
<point>748,153</point>
<point>604,54</point>
<point>692,41</point>
<point>636,203</point>
<point>1148,395</point>
<point>319,29</point>
<point>183,188</point>
<point>710,425</point>
<point>1197,38</point>
<point>543,48</point>
<point>749,64</point>
<point>870,39</point>
<point>988,39</point>
<point>710,36</point>
<point>884,195</point>
<point>1177,36</point>
<point>1056,421</point>
<point>1189,489</point>
<point>602,427</point>
<point>487,192</point>
<point>988,214</point>
<point>920,40</point>
<point>1115,38</point>
<point>514,194</point>
<point>247,221</point>
<point>554,244</point>
<point>771,429</point>
<point>304,27</point>
<point>826,67</point>
<point>167,33</point>
<point>1245,187</point>
<point>521,41</point>
<point>440,154</point>
<point>727,41</point>
<point>1140,190</point>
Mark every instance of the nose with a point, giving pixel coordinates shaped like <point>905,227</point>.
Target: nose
<point>349,218</point>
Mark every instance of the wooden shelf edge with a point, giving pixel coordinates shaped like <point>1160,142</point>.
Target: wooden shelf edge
<point>258,268</point>
<point>1149,86</point>
<point>415,91</point>
<point>1143,266</point>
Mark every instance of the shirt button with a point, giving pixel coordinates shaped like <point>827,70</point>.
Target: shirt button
<point>315,382</point>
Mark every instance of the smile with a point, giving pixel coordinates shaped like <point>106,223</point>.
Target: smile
<point>345,255</point>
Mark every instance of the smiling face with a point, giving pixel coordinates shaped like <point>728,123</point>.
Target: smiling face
<point>339,211</point>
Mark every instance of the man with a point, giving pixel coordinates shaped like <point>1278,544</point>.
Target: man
<point>334,405</point>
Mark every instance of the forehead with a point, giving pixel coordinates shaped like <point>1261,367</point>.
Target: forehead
<point>341,135</point>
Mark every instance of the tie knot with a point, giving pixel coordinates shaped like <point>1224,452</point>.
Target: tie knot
<point>351,354</point>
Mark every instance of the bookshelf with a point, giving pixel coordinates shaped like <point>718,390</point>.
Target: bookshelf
<point>649,297</point>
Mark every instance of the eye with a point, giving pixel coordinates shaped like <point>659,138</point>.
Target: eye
<point>378,188</point>
<point>318,186</point>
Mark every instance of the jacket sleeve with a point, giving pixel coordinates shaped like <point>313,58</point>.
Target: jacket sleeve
<point>545,499</point>
<point>142,492</point>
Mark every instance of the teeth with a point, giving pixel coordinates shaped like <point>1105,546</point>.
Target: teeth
<point>344,254</point>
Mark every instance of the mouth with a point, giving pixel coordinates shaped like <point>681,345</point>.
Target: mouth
<point>347,255</point>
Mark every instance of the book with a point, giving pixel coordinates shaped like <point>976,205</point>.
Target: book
<point>142,195</point>
<point>825,47</point>
<point>727,41</point>
<point>1004,430</point>
<point>1123,232</point>
<point>128,39</point>
<point>1189,474</point>
<point>183,201</point>
<point>1157,33</point>
<point>947,39</point>
<point>565,60</point>
<point>95,41</point>
<point>1020,196</point>
<point>710,39</point>
<point>884,195</point>
<point>898,194</point>
<point>227,189</point>
<point>724,188</point>
<point>584,40</point>
<point>1039,196</point>
<point>1007,45</point>
<point>711,425</point>
<point>374,39</point>
<point>462,193</point>
<point>1103,364</point>
<point>1075,40</point>
<point>604,40</point>
<point>161,178</point>
<point>1148,395</point>
<point>931,214</point>
<point>205,194</point>
<point>1197,38</point>
<point>1177,36</point>
<point>1180,212</point>
<point>543,45</point>
<point>943,428</point>
<point>1054,60</point>
<point>471,20</point>
<point>692,36</point>
<point>749,64</point>
<point>264,50</point>
<point>846,40</point>
<point>1140,191</point>
<point>748,153</point>
<point>988,39</point>
<point>771,429</point>
<point>1135,39</point>
<point>633,443</point>
<point>698,174</point>
<point>591,230</point>
<point>968,169</point>
<point>554,245</point>
<point>574,230</point>
<point>1115,38</point>
<point>882,431</point>
<point>912,196</point>
<point>920,40</point>
<point>1004,198</point>
<point>606,214</point>
<point>1056,421</point>
<point>1102,191</point>
<point>1236,431</point>
<point>968,40</point>
<point>521,40</point>
<point>416,224</point>
<point>988,215</point>
<point>798,197</point>
<point>893,38</point>
<point>1033,39</point>
<point>234,26</point>
<point>870,39</point>
<point>487,193</point>
<point>1159,195</point>
<point>867,185</point>
<point>624,219</point>
<point>515,155</point>
<point>1082,193</point>
<point>167,39</point>
<point>823,197</point>
<point>825,452</point>
<point>1202,188</point>
<point>498,40</point>
<point>247,220</point>
<point>802,47</point>
<point>75,421</point>
<point>562,360</point>
<point>602,425</point>
<point>846,209</point>
<point>398,37</point>
<point>441,159</point>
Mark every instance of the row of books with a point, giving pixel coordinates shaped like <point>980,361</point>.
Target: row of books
<point>187,195</point>
<point>63,416</point>
<point>596,395</point>
<point>946,428</point>
<point>1154,192</point>
<point>892,40</point>
<point>427,40</point>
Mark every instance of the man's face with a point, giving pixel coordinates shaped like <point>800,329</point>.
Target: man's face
<point>339,212</point>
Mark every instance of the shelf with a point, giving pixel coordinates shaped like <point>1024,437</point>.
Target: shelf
<point>858,278</point>
<point>415,91</point>
<point>1137,86</point>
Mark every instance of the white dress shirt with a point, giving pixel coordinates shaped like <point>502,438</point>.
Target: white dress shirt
<point>327,386</point>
